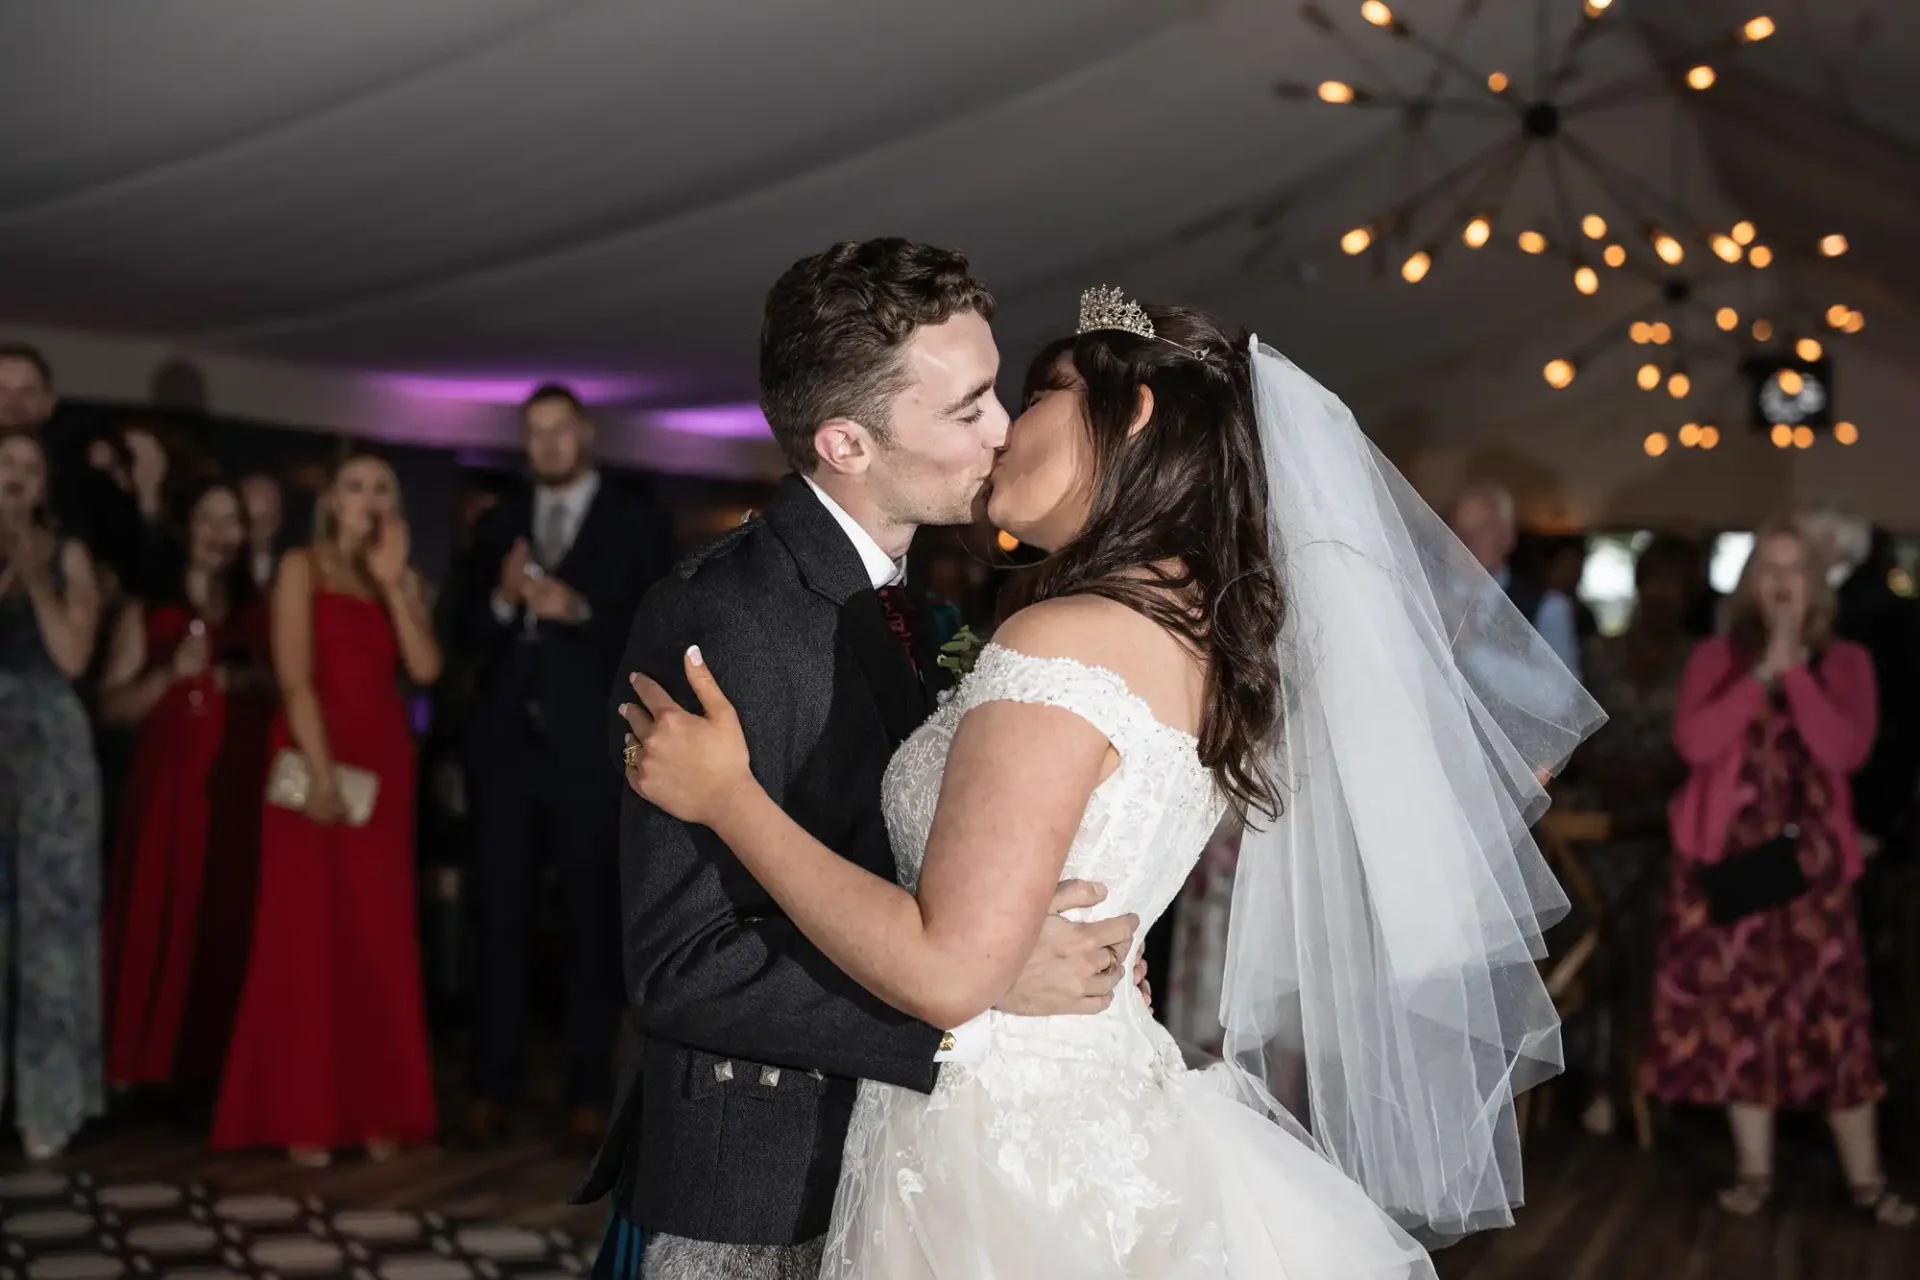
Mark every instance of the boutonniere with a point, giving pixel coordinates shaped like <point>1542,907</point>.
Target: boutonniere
<point>959,654</point>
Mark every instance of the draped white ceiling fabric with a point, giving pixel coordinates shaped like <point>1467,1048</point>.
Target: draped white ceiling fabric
<point>444,198</point>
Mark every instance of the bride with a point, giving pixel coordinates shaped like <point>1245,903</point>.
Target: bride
<point>1245,609</point>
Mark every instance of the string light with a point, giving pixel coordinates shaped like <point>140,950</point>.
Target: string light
<point>1833,246</point>
<point>1616,256</point>
<point>1641,332</point>
<point>1743,233</point>
<point>1690,435</point>
<point>1701,77</point>
<point>1763,331</point>
<point>1661,333</point>
<point>1726,248</point>
<point>1586,280</point>
<point>1595,226</point>
<point>1357,240</point>
<point>1376,13</point>
<point>1757,29</point>
<point>1594,8</point>
<point>1781,435</point>
<point>1678,386</point>
<point>1808,349</point>
<point>1337,92</point>
<point>1709,437</point>
<point>1727,318</point>
<point>1498,82</point>
<point>1532,242</point>
<point>1846,433</point>
<point>1790,381</point>
<point>1007,541</point>
<point>1415,269</point>
<point>1855,322</point>
<point>1559,374</point>
<point>1670,250</point>
<point>1655,445</point>
<point>1803,437</point>
<point>1837,315</point>
<point>1477,232</point>
<point>1760,256</point>
<point>1648,377</point>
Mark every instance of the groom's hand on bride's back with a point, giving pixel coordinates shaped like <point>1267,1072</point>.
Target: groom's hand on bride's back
<point>1074,966</point>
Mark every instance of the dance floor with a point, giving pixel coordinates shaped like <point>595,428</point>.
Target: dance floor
<point>1598,1210</point>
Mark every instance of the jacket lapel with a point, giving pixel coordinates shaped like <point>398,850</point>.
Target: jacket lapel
<point>831,568</point>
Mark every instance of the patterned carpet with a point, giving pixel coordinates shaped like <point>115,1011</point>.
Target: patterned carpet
<point>68,1226</point>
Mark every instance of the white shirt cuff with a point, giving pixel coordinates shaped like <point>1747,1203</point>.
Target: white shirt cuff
<point>503,612</point>
<point>970,1041</point>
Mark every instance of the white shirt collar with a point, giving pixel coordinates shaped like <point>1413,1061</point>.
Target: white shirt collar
<point>882,569</point>
<point>574,495</point>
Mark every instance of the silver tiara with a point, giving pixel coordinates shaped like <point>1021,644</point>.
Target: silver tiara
<point>1104,307</point>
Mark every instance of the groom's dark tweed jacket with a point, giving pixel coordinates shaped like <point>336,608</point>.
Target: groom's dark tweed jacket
<point>735,1099</point>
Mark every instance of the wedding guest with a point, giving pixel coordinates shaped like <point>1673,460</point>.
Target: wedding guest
<point>49,814</point>
<point>557,570</point>
<point>1483,518</point>
<point>330,1046</point>
<point>266,515</point>
<point>189,669</point>
<point>1760,997</point>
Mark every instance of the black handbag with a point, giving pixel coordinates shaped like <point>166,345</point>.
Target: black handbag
<point>1762,876</point>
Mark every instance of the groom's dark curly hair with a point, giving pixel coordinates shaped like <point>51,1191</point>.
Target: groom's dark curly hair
<point>835,323</point>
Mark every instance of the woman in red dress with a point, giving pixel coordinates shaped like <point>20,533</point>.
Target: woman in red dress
<point>330,1048</point>
<point>1770,1010</point>
<point>190,670</point>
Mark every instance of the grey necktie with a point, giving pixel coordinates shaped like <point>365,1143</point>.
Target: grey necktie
<point>550,542</point>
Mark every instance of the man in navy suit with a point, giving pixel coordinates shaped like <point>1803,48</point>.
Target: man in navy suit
<point>557,571</point>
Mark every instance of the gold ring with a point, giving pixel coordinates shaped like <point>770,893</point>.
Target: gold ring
<point>630,753</point>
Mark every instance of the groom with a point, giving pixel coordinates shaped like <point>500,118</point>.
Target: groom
<point>877,370</point>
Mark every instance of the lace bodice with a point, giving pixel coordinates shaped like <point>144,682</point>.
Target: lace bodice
<point>1144,826</point>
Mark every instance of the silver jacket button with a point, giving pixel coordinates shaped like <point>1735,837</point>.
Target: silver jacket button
<point>723,1071</point>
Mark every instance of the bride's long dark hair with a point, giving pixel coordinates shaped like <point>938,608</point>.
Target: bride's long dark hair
<point>1188,490</point>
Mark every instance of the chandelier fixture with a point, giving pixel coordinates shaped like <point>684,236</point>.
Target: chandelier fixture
<point>1639,230</point>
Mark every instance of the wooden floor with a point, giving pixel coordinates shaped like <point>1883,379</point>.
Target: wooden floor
<point>1597,1209</point>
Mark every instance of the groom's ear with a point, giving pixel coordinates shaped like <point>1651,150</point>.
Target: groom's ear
<point>843,445</point>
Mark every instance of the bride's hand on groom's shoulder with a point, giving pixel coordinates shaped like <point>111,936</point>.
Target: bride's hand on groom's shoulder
<point>1074,966</point>
<point>692,766</point>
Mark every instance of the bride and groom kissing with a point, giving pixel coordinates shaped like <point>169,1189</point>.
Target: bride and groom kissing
<point>881,1027</point>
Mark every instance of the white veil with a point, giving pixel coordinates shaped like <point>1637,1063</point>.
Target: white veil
<point>1385,928</point>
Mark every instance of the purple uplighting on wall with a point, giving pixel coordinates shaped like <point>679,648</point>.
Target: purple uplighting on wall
<point>721,421</point>
<point>512,388</point>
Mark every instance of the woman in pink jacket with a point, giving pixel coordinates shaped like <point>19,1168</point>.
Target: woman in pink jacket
<point>1760,998</point>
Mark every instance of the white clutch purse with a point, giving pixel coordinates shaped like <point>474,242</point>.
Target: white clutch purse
<point>290,783</point>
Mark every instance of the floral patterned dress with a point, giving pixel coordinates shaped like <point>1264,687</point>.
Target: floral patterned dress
<point>1771,1010</point>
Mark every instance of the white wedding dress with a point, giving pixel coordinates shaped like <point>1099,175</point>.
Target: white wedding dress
<point>1083,1147</point>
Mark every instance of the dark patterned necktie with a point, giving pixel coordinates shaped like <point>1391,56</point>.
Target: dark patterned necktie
<point>898,608</point>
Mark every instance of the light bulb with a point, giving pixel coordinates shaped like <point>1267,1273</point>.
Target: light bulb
<point>1415,269</point>
<point>1007,541</point>
<point>1476,233</point>
<point>1763,331</point>
<point>1586,280</point>
<point>1655,444</point>
<point>1648,377</point>
<point>1743,233</point>
<point>1757,29</point>
<point>1803,437</point>
<point>1532,242</point>
<point>1833,246</point>
<point>1641,332</point>
<point>1594,225</point>
<point>1701,77</point>
<point>1846,433</point>
<point>1357,240</point>
<point>1781,435</point>
<point>1808,349</point>
<point>1376,13</point>
<point>1678,386</point>
<point>1615,256</point>
<point>1690,435</point>
<point>1661,333</point>
<point>1837,315</point>
<point>1668,248</point>
<point>1498,82</point>
<point>1727,250</point>
<point>1855,322</point>
<point>1727,318</point>
<point>1595,8</point>
<point>1791,382</point>
<point>1760,256</point>
<point>1336,91</point>
<point>1709,437</point>
<point>1559,373</point>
